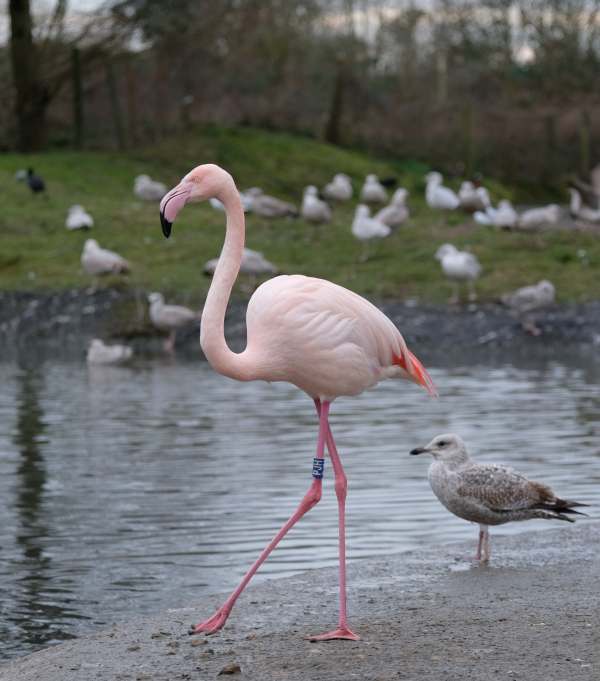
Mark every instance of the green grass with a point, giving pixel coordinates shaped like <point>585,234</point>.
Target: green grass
<point>38,253</point>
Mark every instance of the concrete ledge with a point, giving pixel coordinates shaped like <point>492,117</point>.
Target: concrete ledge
<point>534,614</point>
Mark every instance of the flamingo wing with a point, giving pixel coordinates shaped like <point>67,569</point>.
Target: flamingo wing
<point>295,322</point>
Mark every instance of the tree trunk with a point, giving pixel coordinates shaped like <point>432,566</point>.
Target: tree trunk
<point>32,97</point>
<point>115,105</point>
<point>333,128</point>
<point>77,98</point>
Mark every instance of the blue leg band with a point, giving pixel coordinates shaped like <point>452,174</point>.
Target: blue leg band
<point>318,466</point>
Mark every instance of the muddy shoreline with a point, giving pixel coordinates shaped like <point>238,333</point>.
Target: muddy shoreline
<point>61,325</point>
<point>533,613</point>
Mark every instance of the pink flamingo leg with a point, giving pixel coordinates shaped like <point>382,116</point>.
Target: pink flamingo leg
<point>341,487</point>
<point>311,498</point>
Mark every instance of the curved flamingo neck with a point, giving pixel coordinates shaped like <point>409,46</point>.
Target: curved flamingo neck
<point>212,330</point>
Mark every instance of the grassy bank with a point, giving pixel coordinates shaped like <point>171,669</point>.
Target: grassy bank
<point>38,252</point>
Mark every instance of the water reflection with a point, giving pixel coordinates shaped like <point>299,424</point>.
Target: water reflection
<point>128,490</point>
<point>35,616</point>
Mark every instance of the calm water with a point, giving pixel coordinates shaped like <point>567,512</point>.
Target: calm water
<point>134,489</point>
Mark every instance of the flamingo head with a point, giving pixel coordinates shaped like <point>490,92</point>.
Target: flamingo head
<point>200,184</point>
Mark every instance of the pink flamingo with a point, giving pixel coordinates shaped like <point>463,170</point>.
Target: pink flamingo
<point>320,337</point>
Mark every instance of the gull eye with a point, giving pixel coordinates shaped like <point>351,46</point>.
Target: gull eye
<point>442,443</point>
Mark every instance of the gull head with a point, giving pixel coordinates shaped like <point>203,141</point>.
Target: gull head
<point>400,196</point>
<point>200,184</point>
<point>433,177</point>
<point>448,448</point>
<point>445,250</point>
<point>155,298</point>
<point>546,287</point>
<point>362,211</point>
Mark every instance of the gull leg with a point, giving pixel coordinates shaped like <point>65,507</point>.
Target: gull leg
<point>341,487</point>
<point>483,546</point>
<point>311,499</point>
<point>472,294</point>
<point>480,542</point>
<point>486,545</point>
<point>170,342</point>
<point>365,251</point>
<point>454,298</point>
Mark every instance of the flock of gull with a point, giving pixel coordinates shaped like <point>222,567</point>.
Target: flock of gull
<point>376,216</point>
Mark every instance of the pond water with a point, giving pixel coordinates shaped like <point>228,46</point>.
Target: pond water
<point>129,490</point>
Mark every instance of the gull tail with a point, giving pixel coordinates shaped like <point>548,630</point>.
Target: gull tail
<point>561,508</point>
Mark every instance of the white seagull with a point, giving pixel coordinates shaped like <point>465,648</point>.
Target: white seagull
<point>579,210</point>
<point>473,198</point>
<point>459,266</point>
<point>365,228</point>
<point>396,212</point>
<point>169,317</point>
<point>100,353</point>
<point>486,493</point>
<point>98,261</point>
<point>313,208</point>
<point>268,206</point>
<point>535,218</point>
<point>147,189</point>
<point>253,263</point>
<point>438,196</point>
<point>529,299</point>
<point>373,191</point>
<point>339,189</point>
<point>503,217</point>
<point>245,198</point>
<point>78,218</point>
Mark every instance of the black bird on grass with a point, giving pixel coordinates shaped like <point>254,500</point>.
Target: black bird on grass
<point>35,182</point>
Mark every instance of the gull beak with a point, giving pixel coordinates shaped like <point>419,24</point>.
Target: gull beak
<point>172,202</point>
<point>419,450</point>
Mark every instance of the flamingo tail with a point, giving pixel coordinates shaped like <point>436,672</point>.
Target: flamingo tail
<point>416,370</point>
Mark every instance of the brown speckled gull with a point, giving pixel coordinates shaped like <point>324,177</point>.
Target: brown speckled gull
<point>486,493</point>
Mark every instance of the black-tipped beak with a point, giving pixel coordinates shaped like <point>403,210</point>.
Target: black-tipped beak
<point>165,224</point>
<point>418,450</point>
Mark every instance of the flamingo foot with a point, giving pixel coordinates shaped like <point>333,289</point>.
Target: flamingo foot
<point>211,625</point>
<point>339,633</point>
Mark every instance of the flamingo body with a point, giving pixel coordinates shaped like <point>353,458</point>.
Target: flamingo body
<point>294,322</point>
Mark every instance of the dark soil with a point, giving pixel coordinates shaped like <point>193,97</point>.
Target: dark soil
<point>61,324</point>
